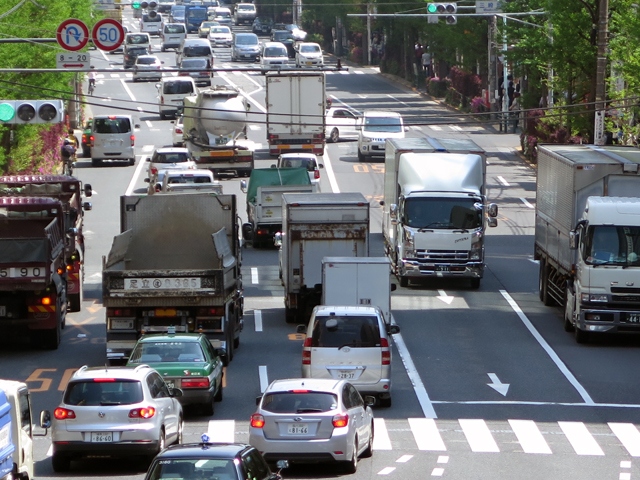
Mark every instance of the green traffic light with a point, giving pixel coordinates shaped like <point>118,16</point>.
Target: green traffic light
<point>135,4</point>
<point>432,8</point>
<point>7,112</point>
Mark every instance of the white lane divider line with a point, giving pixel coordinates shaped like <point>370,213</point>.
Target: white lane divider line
<point>257,316</point>
<point>628,434</point>
<point>503,181</point>
<point>254,275</point>
<point>386,470</point>
<point>404,459</point>
<point>526,203</point>
<point>264,378</point>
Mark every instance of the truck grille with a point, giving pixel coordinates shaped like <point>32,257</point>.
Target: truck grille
<point>442,256</point>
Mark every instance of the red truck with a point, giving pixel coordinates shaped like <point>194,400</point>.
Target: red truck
<point>68,190</point>
<point>33,274</point>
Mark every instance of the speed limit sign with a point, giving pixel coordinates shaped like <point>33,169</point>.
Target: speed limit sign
<point>107,34</point>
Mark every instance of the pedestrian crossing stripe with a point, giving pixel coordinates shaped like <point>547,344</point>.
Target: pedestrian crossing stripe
<point>435,435</point>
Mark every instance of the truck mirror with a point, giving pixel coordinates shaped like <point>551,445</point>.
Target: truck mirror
<point>277,239</point>
<point>72,231</point>
<point>393,211</point>
<point>393,287</point>
<point>243,186</point>
<point>88,190</point>
<point>247,231</point>
<point>45,419</point>
<point>493,210</point>
<point>301,329</point>
<point>493,222</point>
<point>393,329</point>
<point>87,206</point>
<point>574,239</point>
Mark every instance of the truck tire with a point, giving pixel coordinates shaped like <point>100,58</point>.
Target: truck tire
<point>568,315</point>
<point>404,281</point>
<point>75,302</point>
<point>361,157</point>
<point>543,285</point>
<point>475,283</point>
<point>581,336</point>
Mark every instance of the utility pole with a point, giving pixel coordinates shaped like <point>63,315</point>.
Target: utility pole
<point>601,71</point>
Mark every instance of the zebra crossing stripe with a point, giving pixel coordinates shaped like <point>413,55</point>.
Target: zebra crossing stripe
<point>222,431</point>
<point>478,436</point>
<point>381,440</point>
<point>426,434</point>
<point>529,436</point>
<point>628,434</point>
<point>581,440</point>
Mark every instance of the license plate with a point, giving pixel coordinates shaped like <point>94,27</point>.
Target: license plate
<point>442,268</point>
<point>120,324</point>
<point>633,317</point>
<point>3,311</point>
<point>297,429</point>
<point>346,375</point>
<point>101,437</point>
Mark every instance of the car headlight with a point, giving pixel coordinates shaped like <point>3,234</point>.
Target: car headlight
<point>594,297</point>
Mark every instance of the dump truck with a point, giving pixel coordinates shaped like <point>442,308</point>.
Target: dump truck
<point>587,236</point>
<point>176,263</point>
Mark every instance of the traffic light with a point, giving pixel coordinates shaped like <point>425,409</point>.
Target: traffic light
<point>31,111</point>
<point>150,7</point>
<point>135,4</point>
<point>443,10</point>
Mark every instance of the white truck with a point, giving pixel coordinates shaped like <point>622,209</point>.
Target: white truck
<point>587,236</point>
<point>358,281</point>
<point>435,209</point>
<point>215,130</point>
<point>314,226</point>
<point>296,103</point>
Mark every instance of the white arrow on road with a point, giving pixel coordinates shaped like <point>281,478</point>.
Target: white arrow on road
<point>497,385</point>
<point>442,295</point>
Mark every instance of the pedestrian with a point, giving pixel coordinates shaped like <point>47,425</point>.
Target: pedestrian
<point>419,51</point>
<point>514,111</point>
<point>426,63</point>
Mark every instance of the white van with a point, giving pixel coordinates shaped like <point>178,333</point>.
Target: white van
<point>112,138</point>
<point>171,93</point>
<point>194,47</point>
<point>137,40</point>
<point>172,35</point>
<point>152,24</point>
<point>374,127</point>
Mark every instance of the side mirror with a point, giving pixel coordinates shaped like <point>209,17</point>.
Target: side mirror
<point>158,85</point>
<point>148,159</point>
<point>393,212</point>
<point>176,392</point>
<point>492,222</point>
<point>137,125</point>
<point>247,231</point>
<point>369,400</point>
<point>393,329</point>
<point>321,165</point>
<point>147,180</point>
<point>258,399</point>
<point>72,231</point>
<point>87,206</point>
<point>243,186</point>
<point>88,190</point>
<point>301,329</point>
<point>277,239</point>
<point>45,419</point>
<point>574,239</point>
<point>493,210</point>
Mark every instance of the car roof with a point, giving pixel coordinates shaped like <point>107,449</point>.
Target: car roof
<point>142,57</point>
<point>166,337</point>
<point>316,384</point>
<point>310,156</point>
<point>274,44</point>
<point>172,150</point>
<point>346,310</point>
<point>209,450</point>
<point>380,113</point>
<point>126,373</point>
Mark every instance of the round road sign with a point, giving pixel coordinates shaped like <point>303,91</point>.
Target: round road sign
<point>72,34</point>
<point>107,34</point>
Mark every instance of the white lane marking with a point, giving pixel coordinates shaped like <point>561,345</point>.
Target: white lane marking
<point>526,203</point>
<point>148,148</point>
<point>503,181</point>
<point>257,316</point>
<point>443,459</point>
<point>404,459</point>
<point>264,378</point>
<point>254,275</point>
<point>456,127</point>
<point>624,476</point>
<point>386,470</point>
<point>330,173</point>
<point>50,451</point>
<point>134,178</point>
<point>399,101</point>
<point>128,90</point>
<point>529,436</point>
<point>478,435</point>
<point>222,431</point>
<point>426,434</point>
<point>436,128</point>
<point>437,472</point>
<point>625,464</point>
<point>547,348</point>
<point>225,77</point>
<point>581,440</point>
<point>381,440</point>
<point>628,434</point>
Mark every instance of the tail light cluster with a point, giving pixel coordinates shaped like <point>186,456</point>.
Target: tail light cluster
<point>257,420</point>
<point>64,414</point>
<point>120,312</point>
<point>195,382</point>
<point>133,140</point>
<point>340,421</point>
<point>386,353</point>
<point>316,174</point>
<point>144,412</point>
<point>210,312</point>
<point>306,351</point>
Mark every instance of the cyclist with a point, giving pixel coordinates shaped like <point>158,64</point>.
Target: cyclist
<point>92,82</point>
<point>68,156</point>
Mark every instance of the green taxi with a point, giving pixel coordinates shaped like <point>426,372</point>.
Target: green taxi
<point>186,361</point>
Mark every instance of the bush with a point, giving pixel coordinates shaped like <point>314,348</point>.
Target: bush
<point>467,84</point>
<point>538,129</point>
<point>438,87</point>
<point>355,55</point>
<point>36,150</point>
<point>478,105</point>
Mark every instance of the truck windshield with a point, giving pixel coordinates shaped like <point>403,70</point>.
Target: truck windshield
<point>383,124</point>
<point>612,245</point>
<point>442,213</point>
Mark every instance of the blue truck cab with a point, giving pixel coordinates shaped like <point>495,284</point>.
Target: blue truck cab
<point>7,446</point>
<point>194,15</point>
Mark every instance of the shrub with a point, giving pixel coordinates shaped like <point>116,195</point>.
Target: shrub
<point>478,105</point>
<point>355,55</point>
<point>438,87</point>
<point>36,150</point>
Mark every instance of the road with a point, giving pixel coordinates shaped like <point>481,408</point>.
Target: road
<point>486,382</point>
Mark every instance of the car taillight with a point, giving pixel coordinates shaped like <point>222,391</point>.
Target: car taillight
<point>306,351</point>
<point>257,420</point>
<point>197,382</point>
<point>178,130</point>
<point>154,171</point>
<point>63,413</point>
<point>91,140</point>
<point>386,353</point>
<point>316,174</point>
<point>340,421</point>
<point>145,412</point>
<point>161,98</point>
<point>133,140</point>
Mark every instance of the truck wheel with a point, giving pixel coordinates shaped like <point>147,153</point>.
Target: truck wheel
<point>568,314</point>
<point>581,336</point>
<point>544,285</point>
<point>290,314</point>
<point>404,281</point>
<point>60,463</point>
<point>132,161</point>
<point>475,283</point>
<point>236,342</point>
<point>75,302</point>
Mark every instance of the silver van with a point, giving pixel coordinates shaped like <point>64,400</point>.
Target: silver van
<point>194,47</point>
<point>350,343</point>
<point>171,93</point>
<point>172,35</point>
<point>112,138</point>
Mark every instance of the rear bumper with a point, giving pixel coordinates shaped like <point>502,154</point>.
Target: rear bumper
<point>121,449</point>
<point>304,451</point>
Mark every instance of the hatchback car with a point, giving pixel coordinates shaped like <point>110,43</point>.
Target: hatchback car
<point>115,411</point>
<point>340,123</point>
<point>311,420</point>
<point>351,343</point>
<point>220,36</point>
<point>309,55</point>
<point>168,158</point>
<point>302,160</point>
<point>205,28</point>
<point>147,67</point>
<point>220,461</point>
<point>187,361</point>
<point>198,68</point>
<point>245,46</point>
<point>131,53</point>
<point>274,57</point>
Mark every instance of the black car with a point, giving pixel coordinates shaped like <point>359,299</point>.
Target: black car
<point>286,38</point>
<point>262,26</point>
<point>224,461</point>
<point>131,53</point>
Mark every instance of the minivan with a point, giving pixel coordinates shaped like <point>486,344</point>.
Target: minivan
<point>172,35</point>
<point>137,40</point>
<point>112,138</point>
<point>245,46</point>
<point>350,343</point>
<point>194,47</point>
<point>171,93</point>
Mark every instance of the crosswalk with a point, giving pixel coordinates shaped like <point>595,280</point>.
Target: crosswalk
<point>481,436</point>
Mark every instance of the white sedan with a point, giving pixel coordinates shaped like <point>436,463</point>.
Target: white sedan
<point>220,35</point>
<point>340,123</point>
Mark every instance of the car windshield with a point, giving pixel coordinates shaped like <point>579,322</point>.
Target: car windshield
<point>146,60</point>
<point>310,49</point>
<point>246,40</point>
<point>147,18</point>
<point>208,24</point>
<point>174,88</point>
<point>279,36</point>
<point>275,52</point>
<point>104,392</point>
<point>307,163</point>
<point>161,352</point>
<point>296,402</point>
<point>111,125</point>
<point>174,29</point>
<point>173,157</point>
<point>220,30</point>
<point>383,124</point>
<point>338,331</point>
<point>189,179</point>
<point>207,467</point>
<point>246,8</point>
<point>197,51</point>
<point>137,39</point>
<point>194,63</point>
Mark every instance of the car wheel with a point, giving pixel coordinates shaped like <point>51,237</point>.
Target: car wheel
<point>581,335</point>
<point>96,162</point>
<point>360,156</point>
<point>180,435</point>
<point>236,342</point>
<point>335,135</point>
<point>60,463</point>
<point>218,397</point>
<point>209,408</point>
<point>384,402</point>
<point>369,451</point>
<point>132,161</point>
<point>475,283</point>
<point>404,281</point>
<point>351,466</point>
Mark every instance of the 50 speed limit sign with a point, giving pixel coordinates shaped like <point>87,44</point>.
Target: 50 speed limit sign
<point>107,34</point>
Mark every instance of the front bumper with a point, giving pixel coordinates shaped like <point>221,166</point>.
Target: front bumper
<point>416,268</point>
<point>593,319</point>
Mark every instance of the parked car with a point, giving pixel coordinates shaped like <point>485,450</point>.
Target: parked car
<point>262,26</point>
<point>244,13</point>
<point>198,68</point>
<point>178,130</point>
<point>131,53</point>
<point>205,28</point>
<point>220,36</point>
<point>340,123</point>
<point>245,46</point>
<point>147,67</point>
<point>99,401</point>
<point>313,421</point>
<point>185,360</point>
<point>309,55</point>
<point>274,57</point>
<point>302,160</point>
<point>351,343</point>
<point>227,461</point>
<point>168,158</point>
